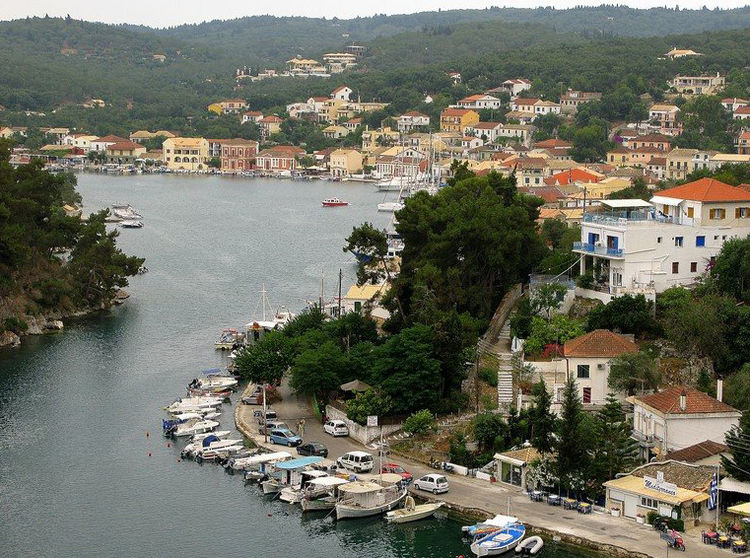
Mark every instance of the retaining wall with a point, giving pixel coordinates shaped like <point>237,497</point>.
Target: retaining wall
<point>363,434</point>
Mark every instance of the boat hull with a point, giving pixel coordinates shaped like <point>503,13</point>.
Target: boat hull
<point>344,511</point>
<point>422,511</point>
<point>319,504</point>
<point>499,543</point>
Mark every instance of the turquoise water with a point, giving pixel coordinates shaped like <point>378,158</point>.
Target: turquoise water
<point>80,477</point>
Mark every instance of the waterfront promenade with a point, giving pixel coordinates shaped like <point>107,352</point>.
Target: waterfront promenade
<point>614,536</point>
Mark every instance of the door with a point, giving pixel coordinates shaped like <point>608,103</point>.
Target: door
<point>630,506</point>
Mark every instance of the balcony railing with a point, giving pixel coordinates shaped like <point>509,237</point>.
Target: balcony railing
<point>598,250</point>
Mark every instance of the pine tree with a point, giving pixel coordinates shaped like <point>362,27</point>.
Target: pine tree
<point>542,419</point>
<point>737,464</point>
<point>571,447</point>
<point>614,450</point>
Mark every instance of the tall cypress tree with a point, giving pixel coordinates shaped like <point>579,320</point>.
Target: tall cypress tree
<point>614,450</point>
<point>571,447</point>
<point>542,419</point>
<point>737,464</point>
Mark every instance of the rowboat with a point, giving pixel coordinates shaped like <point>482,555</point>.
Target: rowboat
<point>499,542</point>
<point>405,515</point>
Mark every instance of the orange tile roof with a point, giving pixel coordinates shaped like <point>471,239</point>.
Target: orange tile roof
<point>113,139</point>
<point>525,101</point>
<point>572,175</point>
<point>124,146</point>
<point>706,190</point>
<point>599,343</point>
<point>696,452</point>
<point>696,402</point>
<point>742,110</point>
<point>553,142</point>
<point>455,112</point>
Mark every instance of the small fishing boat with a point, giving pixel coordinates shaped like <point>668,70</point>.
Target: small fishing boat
<point>213,380</point>
<point>204,435</point>
<point>322,493</point>
<point>499,542</point>
<point>294,493</point>
<point>228,338</point>
<point>253,462</point>
<point>131,224</point>
<point>334,202</point>
<point>390,207</point>
<point>192,427</point>
<point>193,404</point>
<point>367,498</point>
<point>221,451</point>
<point>530,546</point>
<point>287,473</point>
<point>210,442</point>
<point>125,211</point>
<point>407,514</point>
<point>484,528</point>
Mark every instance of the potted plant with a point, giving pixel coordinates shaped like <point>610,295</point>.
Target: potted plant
<point>615,512</point>
<point>639,518</point>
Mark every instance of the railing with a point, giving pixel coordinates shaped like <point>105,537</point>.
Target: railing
<point>598,250</point>
<point>622,219</point>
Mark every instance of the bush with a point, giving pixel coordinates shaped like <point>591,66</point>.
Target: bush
<point>15,325</point>
<point>585,281</point>
<point>421,421</point>
<point>488,376</point>
<point>626,314</point>
<point>651,517</point>
<point>455,402</point>
<point>520,321</point>
<point>557,331</point>
<point>368,403</point>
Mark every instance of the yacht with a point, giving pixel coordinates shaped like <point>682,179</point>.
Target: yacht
<point>193,404</point>
<point>193,426</point>
<point>391,207</point>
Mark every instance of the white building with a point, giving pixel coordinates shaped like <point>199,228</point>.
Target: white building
<point>409,121</point>
<point>514,87</point>
<point>520,133</point>
<point>698,85</point>
<point>342,93</point>
<point>479,102</point>
<point>633,245</point>
<point>677,418</point>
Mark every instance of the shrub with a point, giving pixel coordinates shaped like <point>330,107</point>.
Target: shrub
<point>585,281</point>
<point>421,421</point>
<point>15,325</point>
<point>651,517</point>
<point>368,403</point>
<point>488,375</point>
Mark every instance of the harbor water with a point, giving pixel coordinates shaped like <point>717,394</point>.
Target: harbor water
<point>84,468</point>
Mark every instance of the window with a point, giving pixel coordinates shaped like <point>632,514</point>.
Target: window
<point>718,213</point>
<point>678,241</point>
<point>742,212</point>
<point>583,370</point>
<point>658,240</point>
<point>587,395</point>
<point>675,267</point>
<point>665,209</point>
<point>690,212</point>
<point>649,503</point>
<point>700,240</point>
<point>693,267</point>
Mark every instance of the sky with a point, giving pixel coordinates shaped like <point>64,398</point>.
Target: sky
<point>166,13</point>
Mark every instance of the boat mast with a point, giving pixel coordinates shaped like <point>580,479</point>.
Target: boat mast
<point>341,276</point>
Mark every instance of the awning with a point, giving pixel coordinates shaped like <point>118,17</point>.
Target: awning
<point>635,485</point>
<point>740,509</point>
<point>626,204</point>
<point>299,463</point>
<point>354,385</point>
<point>666,201</point>
<point>729,484</point>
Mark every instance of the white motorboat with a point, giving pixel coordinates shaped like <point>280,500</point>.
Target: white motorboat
<point>221,449</point>
<point>125,211</point>
<point>391,207</point>
<point>530,546</point>
<point>254,461</point>
<point>406,515</point>
<point>207,413</point>
<point>288,473</point>
<point>367,498</point>
<point>187,404</point>
<point>295,492</point>
<point>218,433</point>
<point>193,427</point>
<point>218,382</point>
<point>269,320</point>
<point>131,224</point>
<point>499,542</point>
<point>322,493</point>
<point>209,441</point>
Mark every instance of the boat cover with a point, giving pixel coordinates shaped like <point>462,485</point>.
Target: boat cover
<point>299,462</point>
<point>208,440</point>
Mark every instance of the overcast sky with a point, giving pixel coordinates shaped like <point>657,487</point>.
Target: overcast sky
<point>175,12</point>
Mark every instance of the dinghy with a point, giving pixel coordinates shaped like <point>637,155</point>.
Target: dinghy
<point>406,515</point>
<point>530,546</point>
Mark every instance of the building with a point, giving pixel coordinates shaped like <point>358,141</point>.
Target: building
<point>100,144</point>
<point>298,65</point>
<point>81,141</point>
<point>372,139</point>
<point>342,93</point>
<point>279,158</point>
<point>124,152</point>
<point>228,106</point>
<point>743,144</point>
<point>513,87</point>
<point>457,119</point>
<point>252,116</point>
<point>669,488</point>
<point>741,113</point>
<point>359,298</point>
<point>531,108</point>
<point>588,359</point>
<point>512,466</point>
<point>480,102</point>
<point>337,62</point>
<point>493,131</point>
<point>706,452</point>
<point>269,125</point>
<point>412,121</point>
<point>238,155</point>
<point>144,135</point>
<point>571,99</point>
<point>576,175</point>
<point>335,132</point>
<point>665,117</point>
<point>185,153</point>
<point>697,85</point>
<point>399,161</point>
<point>678,417</point>
<point>680,163</point>
<point>681,52</point>
<point>666,242</point>
<point>659,141</point>
<point>731,104</point>
<point>345,162</point>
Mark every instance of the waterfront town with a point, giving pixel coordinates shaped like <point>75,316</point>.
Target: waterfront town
<point>544,343</point>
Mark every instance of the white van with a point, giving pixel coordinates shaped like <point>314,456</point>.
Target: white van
<point>357,461</point>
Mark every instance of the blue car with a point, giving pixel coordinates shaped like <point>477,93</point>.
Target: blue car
<point>284,437</point>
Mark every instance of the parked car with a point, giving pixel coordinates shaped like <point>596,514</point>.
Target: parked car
<point>434,483</point>
<point>313,448</point>
<point>336,428</point>
<point>269,416</point>
<point>256,398</point>
<point>357,461</point>
<point>272,425</point>
<point>397,469</point>
<point>284,437</point>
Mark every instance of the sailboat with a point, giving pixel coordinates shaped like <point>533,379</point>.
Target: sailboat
<point>270,319</point>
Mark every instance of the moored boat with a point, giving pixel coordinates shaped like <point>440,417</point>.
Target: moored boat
<point>530,546</point>
<point>322,493</point>
<point>131,224</point>
<point>125,211</point>
<point>295,492</point>
<point>408,514</point>
<point>228,338</point>
<point>499,542</point>
<point>287,473</point>
<point>484,528</point>
<point>390,207</point>
<point>367,498</point>
<point>192,427</point>
<point>334,202</point>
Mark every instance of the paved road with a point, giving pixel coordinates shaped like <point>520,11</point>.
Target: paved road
<point>493,497</point>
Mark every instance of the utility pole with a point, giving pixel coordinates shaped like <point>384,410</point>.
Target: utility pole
<point>341,276</point>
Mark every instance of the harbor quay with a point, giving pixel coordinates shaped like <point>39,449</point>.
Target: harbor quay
<point>476,499</point>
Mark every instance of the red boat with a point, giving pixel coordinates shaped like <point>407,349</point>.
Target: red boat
<point>334,202</point>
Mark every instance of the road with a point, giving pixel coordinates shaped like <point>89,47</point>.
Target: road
<point>493,498</point>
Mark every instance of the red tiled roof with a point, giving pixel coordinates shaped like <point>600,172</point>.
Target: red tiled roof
<point>486,125</point>
<point>340,88</point>
<point>471,98</point>
<point>414,113</point>
<point>742,110</point>
<point>113,139</point>
<point>572,175</point>
<point>552,143</point>
<point>525,101</point>
<point>696,402</point>
<point>282,151</point>
<point>706,190</point>
<point>656,138</point>
<point>745,135</point>
<point>239,141</point>
<point>648,149</point>
<point>271,118</point>
<point>124,146</point>
<point>658,161</point>
<point>696,452</point>
<point>599,343</point>
<point>547,193</point>
<point>455,112</point>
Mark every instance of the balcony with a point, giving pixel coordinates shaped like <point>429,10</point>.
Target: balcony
<point>646,440</point>
<point>598,250</point>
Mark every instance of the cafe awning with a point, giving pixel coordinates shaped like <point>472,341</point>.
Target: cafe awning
<point>740,509</point>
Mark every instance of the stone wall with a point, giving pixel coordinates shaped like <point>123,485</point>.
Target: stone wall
<point>363,434</point>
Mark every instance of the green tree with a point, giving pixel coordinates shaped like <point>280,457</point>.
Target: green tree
<point>266,360</point>
<point>572,457</point>
<point>737,464</point>
<point>371,402</point>
<point>614,451</point>
<point>319,370</point>
<point>488,427</point>
<point>543,421</point>
<point>624,314</point>
<point>418,422</point>
<point>737,392</point>
<point>547,297</point>
<point>633,372</point>
<point>590,144</point>
<point>731,271</point>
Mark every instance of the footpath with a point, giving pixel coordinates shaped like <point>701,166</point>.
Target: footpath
<point>470,496</point>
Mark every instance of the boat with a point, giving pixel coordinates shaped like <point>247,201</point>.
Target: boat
<point>252,462</point>
<point>391,207</point>
<point>228,338</point>
<point>192,427</point>
<point>125,211</point>
<point>131,224</point>
<point>499,542</point>
<point>488,526</point>
<point>221,451</point>
<point>222,393</point>
<point>322,493</point>
<point>193,404</point>
<point>202,436</point>
<point>530,546</point>
<point>367,498</point>
<point>213,380</point>
<point>334,202</point>
<point>210,442</point>
<point>406,515</point>
<point>209,413</point>
<point>255,329</point>
<point>294,493</point>
<point>287,473</point>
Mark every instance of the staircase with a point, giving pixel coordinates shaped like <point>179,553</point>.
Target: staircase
<point>505,381</point>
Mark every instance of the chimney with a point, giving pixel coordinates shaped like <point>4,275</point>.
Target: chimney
<point>683,401</point>
<point>720,389</point>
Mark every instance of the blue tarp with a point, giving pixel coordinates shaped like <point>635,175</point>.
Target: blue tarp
<point>298,463</point>
<point>208,439</point>
<point>212,371</point>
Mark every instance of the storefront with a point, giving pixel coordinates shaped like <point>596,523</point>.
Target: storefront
<point>513,465</point>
